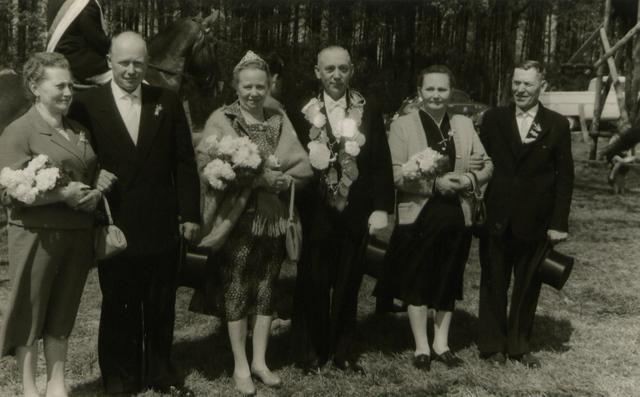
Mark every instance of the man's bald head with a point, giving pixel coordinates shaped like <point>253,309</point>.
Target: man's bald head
<point>334,70</point>
<point>333,49</point>
<point>128,40</point>
<point>128,60</point>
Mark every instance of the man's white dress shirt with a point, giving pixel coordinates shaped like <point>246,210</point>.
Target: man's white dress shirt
<point>129,105</point>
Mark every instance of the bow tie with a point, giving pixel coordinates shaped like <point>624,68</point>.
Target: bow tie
<point>340,103</point>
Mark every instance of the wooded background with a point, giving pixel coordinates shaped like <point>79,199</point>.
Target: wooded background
<point>390,40</point>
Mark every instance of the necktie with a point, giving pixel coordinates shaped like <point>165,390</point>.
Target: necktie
<point>525,125</point>
<point>131,118</point>
<point>332,105</point>
<point>336,113</point>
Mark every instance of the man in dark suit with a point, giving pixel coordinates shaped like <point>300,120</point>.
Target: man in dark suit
<point>77,31</point>
<point>528,201</point>
<point>331,268</point>
<point>141,135</point>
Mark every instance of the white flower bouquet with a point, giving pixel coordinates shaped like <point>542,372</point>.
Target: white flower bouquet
<point>37,177</point>
<point>426,164</point>
<point>230,160</point>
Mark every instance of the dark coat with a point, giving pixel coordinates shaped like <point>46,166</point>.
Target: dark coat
<point>84,43</point>
<point>532,183</point>
<point>157,178</point>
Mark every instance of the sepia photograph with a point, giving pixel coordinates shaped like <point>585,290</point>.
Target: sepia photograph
<point>311,198</point>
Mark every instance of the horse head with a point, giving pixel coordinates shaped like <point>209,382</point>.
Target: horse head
<point>186,49</point>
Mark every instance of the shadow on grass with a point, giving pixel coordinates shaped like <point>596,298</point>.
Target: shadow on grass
<point>90,388</point>
<point>551,334</point>
<point>391,334</point>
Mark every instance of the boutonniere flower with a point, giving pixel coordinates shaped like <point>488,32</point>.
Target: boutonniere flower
<point>535,127</point>
<point>450,133</point>
<point>157,110</point>
<point>82,138</point>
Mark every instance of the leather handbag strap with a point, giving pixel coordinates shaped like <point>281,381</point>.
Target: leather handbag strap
<point>476,187</point>
<point>107,210</point>
<point>291,201</point>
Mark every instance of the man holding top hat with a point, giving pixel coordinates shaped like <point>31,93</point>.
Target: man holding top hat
<point>527,203</point>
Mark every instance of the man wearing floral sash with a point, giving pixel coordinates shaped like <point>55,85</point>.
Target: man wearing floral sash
<point>354,193</point>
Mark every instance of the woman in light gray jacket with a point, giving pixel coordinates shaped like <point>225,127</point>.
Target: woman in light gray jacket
<point>430,245</point>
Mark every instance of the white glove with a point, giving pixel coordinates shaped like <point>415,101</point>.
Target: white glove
<point>378,220</point>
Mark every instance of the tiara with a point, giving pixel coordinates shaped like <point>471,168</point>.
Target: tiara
<point>250,56</point>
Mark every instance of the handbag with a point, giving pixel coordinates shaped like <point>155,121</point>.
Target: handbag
<point>478,208</point>
<point>293,237</point>
<point>109,239</point>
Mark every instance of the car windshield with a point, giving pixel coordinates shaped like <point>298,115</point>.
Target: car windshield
<point>459,96</point>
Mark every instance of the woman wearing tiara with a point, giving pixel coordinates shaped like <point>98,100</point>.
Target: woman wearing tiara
<point>244,226</point>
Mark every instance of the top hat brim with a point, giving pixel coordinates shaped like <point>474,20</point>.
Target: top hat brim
<point>554,267</point>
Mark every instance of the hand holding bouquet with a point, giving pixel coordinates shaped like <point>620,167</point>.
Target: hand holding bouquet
<point>37,177</point>
<point>230,160</point>
<point>426,164</point>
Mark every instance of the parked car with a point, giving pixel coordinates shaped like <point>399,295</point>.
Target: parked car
<point>460,103</point>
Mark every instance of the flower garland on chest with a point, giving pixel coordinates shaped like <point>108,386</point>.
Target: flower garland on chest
<point>335,158</point>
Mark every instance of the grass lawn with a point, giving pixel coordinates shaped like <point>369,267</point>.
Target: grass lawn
<point>588,335</point>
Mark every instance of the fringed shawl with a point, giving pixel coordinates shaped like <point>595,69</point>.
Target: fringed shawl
<point>221,209</point>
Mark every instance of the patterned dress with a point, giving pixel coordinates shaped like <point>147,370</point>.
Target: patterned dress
<point>249,262</point>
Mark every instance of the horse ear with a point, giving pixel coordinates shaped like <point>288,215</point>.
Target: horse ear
<point>211,18</point>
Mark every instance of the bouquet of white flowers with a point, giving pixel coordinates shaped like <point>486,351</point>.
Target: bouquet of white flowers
<point>231,160</point>
<point>37,177</point>
<point>426,164</point>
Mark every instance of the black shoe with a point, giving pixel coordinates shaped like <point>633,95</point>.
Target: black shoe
<point>422,361</point>
<point>449,359</point>
<point>528,360</point>
<point>348,366</point>
<point>390,308</point>
<point>174,391</point>
<point>310,367</point>
<point>494,358</point>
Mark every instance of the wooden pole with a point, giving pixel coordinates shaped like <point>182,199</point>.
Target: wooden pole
<point>583,123</point>
<point>617,86</point>
<point>597,107</point>
<point>584,45</point>
<point>635,74</point>
<point>630,34</point>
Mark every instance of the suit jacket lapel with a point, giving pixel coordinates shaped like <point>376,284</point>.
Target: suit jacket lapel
<point>510,130</point>
<point>150,114</point>
<point>542,121</point>
<point>112,120</point>
<point>56,138</point>
<point>420,135</point>
<point>324,111</point>
<point>460,141</point>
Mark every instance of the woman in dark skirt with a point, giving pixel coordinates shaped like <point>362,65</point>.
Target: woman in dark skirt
<point>430,245</point>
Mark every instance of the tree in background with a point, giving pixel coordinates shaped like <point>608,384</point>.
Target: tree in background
<point>479,39</point>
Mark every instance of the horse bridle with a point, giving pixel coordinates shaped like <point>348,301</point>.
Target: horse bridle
<point>181,72</point>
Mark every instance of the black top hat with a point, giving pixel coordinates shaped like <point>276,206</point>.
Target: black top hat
<point>553,267</point>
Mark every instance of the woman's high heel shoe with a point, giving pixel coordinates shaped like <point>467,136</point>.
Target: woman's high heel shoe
<point>245,385</point>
